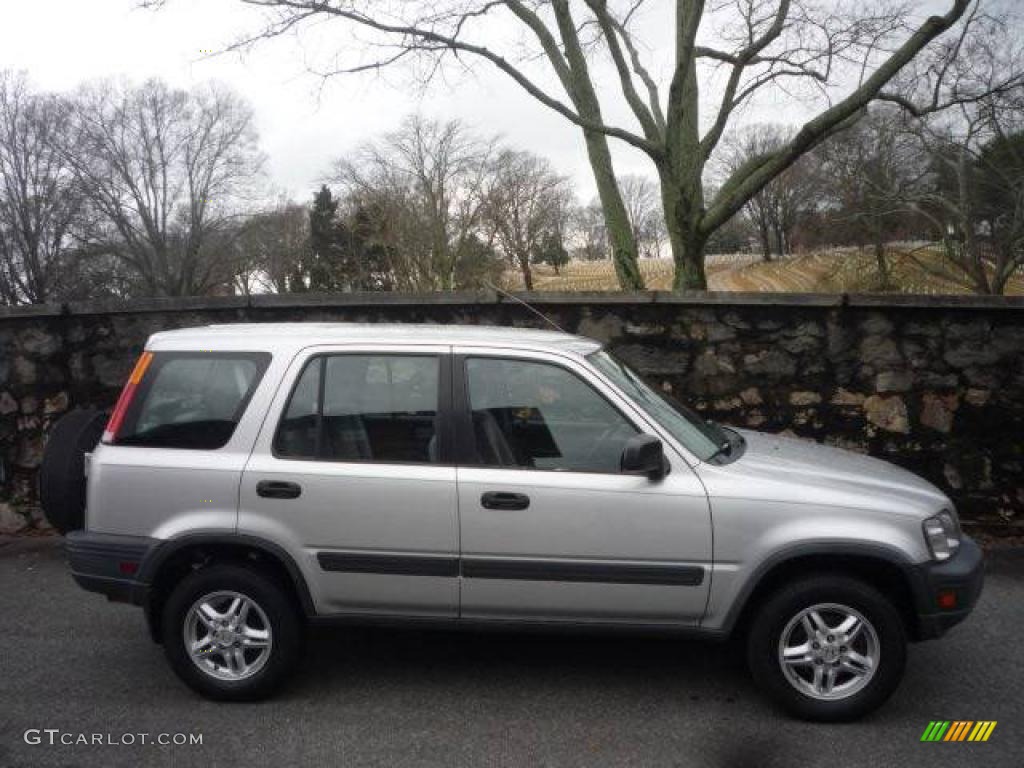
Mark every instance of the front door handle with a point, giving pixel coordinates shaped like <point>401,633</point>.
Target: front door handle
<point>278,489</point>
<point>501,500</point>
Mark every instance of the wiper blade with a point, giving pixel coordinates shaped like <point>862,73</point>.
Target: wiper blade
<point>725,449</point>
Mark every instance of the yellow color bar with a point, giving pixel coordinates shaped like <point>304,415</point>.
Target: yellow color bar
<point>982,730</point>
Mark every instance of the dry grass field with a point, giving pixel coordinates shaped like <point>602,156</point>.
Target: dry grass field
<point>837,271</point>
<point>600,275</point>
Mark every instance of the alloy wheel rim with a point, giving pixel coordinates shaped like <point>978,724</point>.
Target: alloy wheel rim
<point>227,635</point>
<point>829,651</point>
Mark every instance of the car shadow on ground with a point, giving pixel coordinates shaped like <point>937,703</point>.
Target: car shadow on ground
<point>343,653</point>
<point>580,688</point>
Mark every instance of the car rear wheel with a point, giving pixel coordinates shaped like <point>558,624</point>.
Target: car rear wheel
<point>828,648</point>
<point>231,633</point>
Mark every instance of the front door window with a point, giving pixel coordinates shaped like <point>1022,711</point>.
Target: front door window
<point>536,415</point>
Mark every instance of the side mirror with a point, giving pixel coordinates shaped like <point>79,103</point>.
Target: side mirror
<point>644,455</point>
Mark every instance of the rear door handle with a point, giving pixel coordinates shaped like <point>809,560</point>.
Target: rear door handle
<point>278,489</point>
<point>501,500</point>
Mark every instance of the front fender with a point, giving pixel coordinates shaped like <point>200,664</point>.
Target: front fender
<point>750,540</point>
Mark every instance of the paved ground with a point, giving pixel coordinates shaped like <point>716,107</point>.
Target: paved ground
<point>71,661</point>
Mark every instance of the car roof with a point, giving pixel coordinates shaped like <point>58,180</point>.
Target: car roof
<point>292,336</point>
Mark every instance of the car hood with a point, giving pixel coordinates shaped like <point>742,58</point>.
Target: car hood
<point>811,472</point>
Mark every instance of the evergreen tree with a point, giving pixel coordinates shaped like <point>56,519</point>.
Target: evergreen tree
<point>551,250</point>
<point>325,243</point>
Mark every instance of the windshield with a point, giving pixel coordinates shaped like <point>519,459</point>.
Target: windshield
<point>701,437</point>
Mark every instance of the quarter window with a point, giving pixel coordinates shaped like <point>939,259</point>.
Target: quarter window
<point>361,408</point>
<point>192,399</point>
<point>541,416</point>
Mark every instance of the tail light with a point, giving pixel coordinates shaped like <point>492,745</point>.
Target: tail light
<point>125,400</point>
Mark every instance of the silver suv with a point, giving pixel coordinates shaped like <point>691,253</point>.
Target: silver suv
<point>253,479</point>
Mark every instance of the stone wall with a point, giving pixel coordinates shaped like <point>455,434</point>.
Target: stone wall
<point>933,384</point>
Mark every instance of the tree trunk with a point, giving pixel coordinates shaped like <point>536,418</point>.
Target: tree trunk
<point>999,281</point>
<point>616,219</point>
<point>681,171</point>
<point>689,274</point>
<point>979,275</point>
<point>766,241</point>
<point>883,266</point>
<point>682,219</point>
<point>969,244</point>
<point>780,241</point>
<point>580,87</point>
<point>1006,264</point>
<point>524,267</point>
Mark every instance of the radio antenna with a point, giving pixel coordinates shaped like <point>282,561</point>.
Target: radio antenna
<point>517,300</point>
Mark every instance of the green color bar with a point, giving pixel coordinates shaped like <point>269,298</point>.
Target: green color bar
<point>935,731</point>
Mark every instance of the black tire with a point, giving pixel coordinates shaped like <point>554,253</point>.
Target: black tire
<point>62,473</point>
<point>772,619</point>
<point>275,602</point>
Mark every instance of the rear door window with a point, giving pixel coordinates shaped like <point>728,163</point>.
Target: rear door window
<point>192,399</point>
<point>363,408</point>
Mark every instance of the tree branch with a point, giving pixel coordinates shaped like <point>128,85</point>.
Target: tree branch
<point>746,183</point>
<point>640,109</point>
<point>653,97</point>
<point>742,60</point>
<point>455,45</point>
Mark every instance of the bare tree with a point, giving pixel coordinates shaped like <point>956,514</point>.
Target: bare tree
<point>271,247</point>
<point>973,196</point>
<point>643,207</point>
<point>871,170</point>
<point>846,53</point>
<point>749,146</point>
<point>588,235</point>
<point>972,187</point>
<point>526,202</point>
<point>776,209</point>
<point>40,201</point>
<point>427,183</point>
<point>164,169</point>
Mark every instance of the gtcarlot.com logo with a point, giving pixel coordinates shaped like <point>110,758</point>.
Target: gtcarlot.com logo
<point>56,737</point>
<point>958,730</point>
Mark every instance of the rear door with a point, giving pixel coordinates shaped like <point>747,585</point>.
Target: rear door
<point>353,470</point>
<point>550,528</point>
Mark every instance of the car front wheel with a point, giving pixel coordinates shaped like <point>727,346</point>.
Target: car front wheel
<point>231,633</point>
<point>828,648</point>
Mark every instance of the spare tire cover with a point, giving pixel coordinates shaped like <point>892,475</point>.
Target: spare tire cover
<point>62,474</point>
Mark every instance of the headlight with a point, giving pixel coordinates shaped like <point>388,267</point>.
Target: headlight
<point>942,532</point>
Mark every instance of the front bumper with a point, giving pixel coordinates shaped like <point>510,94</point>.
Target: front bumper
<point>963,575</point>
<point>109,564</point>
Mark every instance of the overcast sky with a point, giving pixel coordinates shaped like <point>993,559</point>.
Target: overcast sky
<point>303,123</point>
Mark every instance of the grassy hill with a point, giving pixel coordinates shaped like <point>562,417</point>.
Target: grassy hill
<point>837,271</point>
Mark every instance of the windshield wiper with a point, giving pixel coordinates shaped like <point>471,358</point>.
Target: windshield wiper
<point>728,446</point>
<point>725,449</point>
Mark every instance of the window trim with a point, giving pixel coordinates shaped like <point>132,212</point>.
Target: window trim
<point>261,358</point>
<point>445,434</point>
<point>466,439</point>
